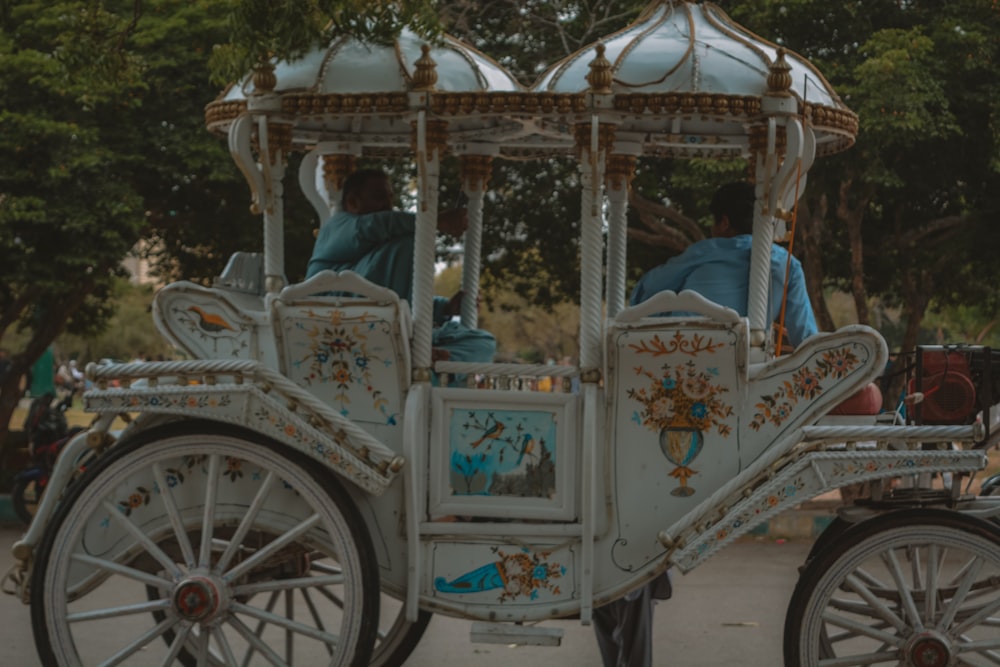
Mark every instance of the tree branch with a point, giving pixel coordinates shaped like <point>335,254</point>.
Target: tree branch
<point>651,214</point>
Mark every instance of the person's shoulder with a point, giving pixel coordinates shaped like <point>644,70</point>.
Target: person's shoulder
<point>717,245</point>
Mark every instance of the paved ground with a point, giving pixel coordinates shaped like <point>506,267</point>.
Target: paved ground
<point>729,611</point>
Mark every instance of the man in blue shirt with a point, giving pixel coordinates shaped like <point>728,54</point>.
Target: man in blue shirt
<point>719,268</point>
<point>370,238</point>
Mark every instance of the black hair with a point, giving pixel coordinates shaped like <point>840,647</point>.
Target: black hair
<point>735,201</point>
<point>357,181</point>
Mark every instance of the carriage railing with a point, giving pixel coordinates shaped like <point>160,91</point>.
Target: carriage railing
<point>506,376</point>
<point>246,393</point>
<point>825,460</point>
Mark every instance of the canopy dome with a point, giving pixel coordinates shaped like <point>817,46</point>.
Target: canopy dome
<point>323,90</point>
<point>692,62</point>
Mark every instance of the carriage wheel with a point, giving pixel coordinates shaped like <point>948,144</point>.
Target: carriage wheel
<point>397,637</point>
<point>829,536</point>
<point>201,544</point>
<point>918,588</point>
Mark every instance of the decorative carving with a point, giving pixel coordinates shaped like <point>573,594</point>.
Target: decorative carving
<point>437,137</point>
<point>605,137</point>
<point>264,79</point>
<point>692,346</point>
<point>620,170</point>
<point>425,74</point>
<point>279,141</point>
<point>779,77</point>
<point>476,171</point>
<point>336,168</point>
<point>599,76</point>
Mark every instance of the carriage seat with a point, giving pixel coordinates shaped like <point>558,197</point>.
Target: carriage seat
<point>346,340</point>
<point>214,322</point>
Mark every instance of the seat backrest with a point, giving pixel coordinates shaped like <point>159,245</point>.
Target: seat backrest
<point>350,351</point>
<point>214,322</point>
<point>675,388</point>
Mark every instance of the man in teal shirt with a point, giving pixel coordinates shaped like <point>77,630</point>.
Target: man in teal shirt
<point>719,268</point>
<point>370,238</point>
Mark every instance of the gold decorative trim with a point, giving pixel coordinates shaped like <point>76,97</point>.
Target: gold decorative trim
<point>620,170</point>
<point>264,79</point>
<point>279,141</point>
<point>670,103</point>
<point>437,137</point>
<point>835,121</point>
<point>582,134</point>
<point>600,75</point>
<point>336,168</point>
<point>425,75</point>
<point>476,171</point>
<point>779,76</point>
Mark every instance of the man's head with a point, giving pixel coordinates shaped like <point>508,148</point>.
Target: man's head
<point>732,208</point>
<point>367,191</point>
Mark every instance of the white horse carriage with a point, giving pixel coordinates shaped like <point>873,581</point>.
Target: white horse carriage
<point>309,487</point>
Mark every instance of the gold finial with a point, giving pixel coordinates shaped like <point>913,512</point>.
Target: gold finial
<point>264,79</point>
<point>425,75</point>
<point>599,77</point>
<point>779,76</point>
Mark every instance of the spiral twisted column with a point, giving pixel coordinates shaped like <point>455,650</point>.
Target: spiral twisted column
<point>764,147</point>
<point>274,142</point>
<point>475,171</point>
<point>620,170</point>
<point>593,140</point>
<point>430,147</point>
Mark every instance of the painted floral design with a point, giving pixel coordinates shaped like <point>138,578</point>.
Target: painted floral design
<point>682,396</point>
<point>141,495</point>
<point>138,401</point>
<point>681,403</point>
<point>517,575</point>
<point>340,352</point>
<point>805,384</point>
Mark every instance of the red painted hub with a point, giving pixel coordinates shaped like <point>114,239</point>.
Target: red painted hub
<point>928,650</point>
<point>196,598</point>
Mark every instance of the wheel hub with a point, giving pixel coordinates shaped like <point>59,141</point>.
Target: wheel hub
<point>928,649</point>
<point>197,598</point>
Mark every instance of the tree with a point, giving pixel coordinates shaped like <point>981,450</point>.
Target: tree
<point>900,216</point>
<point>66,215</point>
<point>102,142</point>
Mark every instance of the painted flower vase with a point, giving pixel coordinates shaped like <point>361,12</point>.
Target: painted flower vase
<point>681,445</point>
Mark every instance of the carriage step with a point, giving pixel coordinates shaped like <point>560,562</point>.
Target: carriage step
<point>484,632</point>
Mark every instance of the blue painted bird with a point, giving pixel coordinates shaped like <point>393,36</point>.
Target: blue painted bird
<point>527,445</point>
<point>492,433</point>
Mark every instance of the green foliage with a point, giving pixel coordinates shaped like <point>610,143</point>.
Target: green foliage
<point>922,178</point>
<point>263,29</point>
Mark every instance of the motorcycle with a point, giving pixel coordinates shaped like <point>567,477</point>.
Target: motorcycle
<point>48,431</point>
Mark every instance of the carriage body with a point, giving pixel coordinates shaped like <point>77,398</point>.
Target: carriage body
<point>310,424</point>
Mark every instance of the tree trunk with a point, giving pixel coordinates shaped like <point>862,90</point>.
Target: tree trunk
<point>809,226</point>
<point>853,216</point>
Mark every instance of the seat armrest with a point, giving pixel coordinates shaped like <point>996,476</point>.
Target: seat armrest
<point>686,301</point>
<point>345,281</point>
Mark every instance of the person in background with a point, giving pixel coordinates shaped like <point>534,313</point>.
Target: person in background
<point>718,268</point>
<point>369,237</point>
<point>43,375</point>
